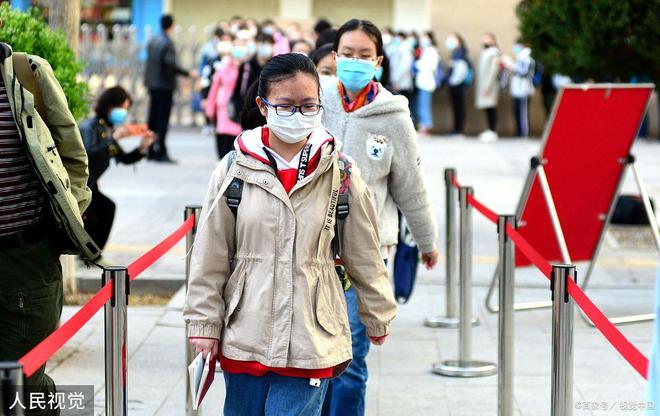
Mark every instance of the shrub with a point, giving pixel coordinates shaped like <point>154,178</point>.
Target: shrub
<point>604,40</point>
<point>28,32</point>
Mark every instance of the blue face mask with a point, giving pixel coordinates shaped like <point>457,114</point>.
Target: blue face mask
<point>118,116</point>
<point>379,73</point>
<point>239,52</point>
<point>355,74</point>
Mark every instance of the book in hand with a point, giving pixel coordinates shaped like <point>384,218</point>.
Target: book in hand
<point>201,372</point>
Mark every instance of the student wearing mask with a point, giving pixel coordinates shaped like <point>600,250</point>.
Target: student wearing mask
<point>521,86</point>
<point>425,81</point>
<point>487,87</point>
<point>249,71</point>
<point>100,134</point>
<point>377,132</point>
<point>219,106</point>
<point>324,61</point>
<point>457,78</point>
<point>402,61</point>
<point>264,297</point>
<point>302,46</point>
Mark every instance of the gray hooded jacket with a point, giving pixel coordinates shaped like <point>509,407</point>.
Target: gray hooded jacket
<point>382,139</point>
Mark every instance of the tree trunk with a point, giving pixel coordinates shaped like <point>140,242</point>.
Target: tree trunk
<point>65,15</point>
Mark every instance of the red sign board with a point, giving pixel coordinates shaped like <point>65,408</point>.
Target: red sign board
<point>585,145</point>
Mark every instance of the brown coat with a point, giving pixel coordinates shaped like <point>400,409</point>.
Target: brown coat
<point>279,301</point>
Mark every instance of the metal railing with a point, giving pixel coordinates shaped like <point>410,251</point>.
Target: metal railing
<point>114,56</point>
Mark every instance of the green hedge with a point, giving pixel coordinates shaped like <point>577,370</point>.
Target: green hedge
<point>604,40</point>
<point>28,32</point>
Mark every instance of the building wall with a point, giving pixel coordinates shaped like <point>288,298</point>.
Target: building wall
<point>201,13</point>
<point>339,11</point>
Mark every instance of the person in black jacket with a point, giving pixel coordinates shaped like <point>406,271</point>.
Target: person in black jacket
<point>160,79</point>
<point>100,134</point>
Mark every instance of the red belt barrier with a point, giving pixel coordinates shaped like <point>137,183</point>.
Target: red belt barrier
<point>627,350</point>
<point>151,256</point>
<point>38,356</point>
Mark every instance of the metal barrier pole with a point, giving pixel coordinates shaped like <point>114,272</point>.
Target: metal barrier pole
<point>116,397</point>
<point>465,366</point>
<point>506,267</point>
<point>450,320</point>
<point>190,239</point>
<point>11,389</point>
<point>562,340</point>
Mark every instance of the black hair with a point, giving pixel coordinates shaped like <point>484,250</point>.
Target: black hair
<point>320,53</point>
<point>322,25</point>
<point>367,27</point>
<point>461,41</point>
<point>264,38</point>
<point>327,36</point>
<point>278,68</point>
<point>303,41</point>
<point>284,66</point>
<point>111,98</point>
<point>250,116</point>
<point>431,37</point>
<point>218,32</point>
<point>166,21</point>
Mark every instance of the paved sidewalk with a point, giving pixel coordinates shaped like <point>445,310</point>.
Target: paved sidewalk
<point>150,202</point>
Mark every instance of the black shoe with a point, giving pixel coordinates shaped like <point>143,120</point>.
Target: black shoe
<point>166,159</point>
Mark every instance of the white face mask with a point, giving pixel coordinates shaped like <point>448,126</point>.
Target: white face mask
<point>294,128</point>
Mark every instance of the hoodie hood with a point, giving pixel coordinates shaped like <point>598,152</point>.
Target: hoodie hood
<point>385,102</point>
<point>254,143</point>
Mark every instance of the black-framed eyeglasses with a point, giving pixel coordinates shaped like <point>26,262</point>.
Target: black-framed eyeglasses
<point>287,110</point>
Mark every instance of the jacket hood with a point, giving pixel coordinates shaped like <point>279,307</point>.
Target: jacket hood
<point>251,151</point>
<point>384,103</point>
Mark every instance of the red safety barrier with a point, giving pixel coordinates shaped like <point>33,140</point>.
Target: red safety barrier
<point>626,348</point>
<point>38,356</point>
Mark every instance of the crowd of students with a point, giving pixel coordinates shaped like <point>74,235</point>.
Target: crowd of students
<point>411,67</point>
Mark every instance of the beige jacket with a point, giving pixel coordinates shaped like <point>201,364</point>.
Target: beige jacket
<point>279,301</point>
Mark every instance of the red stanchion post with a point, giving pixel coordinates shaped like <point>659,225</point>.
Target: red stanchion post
<point>191,210</point>
<point>116,370</point>
<point>11,389</point>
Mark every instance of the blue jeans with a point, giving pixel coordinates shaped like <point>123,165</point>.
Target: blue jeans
<point>272,395</point>
<point>424,109</point>
<point>346,392</point>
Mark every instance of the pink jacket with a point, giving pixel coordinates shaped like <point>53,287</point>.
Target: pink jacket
<point>222,88</point>
<point>281,44</point>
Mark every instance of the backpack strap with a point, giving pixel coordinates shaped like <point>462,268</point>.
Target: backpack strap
<point>345,167</point>
<point>234,192</point>
<point>26,78</point>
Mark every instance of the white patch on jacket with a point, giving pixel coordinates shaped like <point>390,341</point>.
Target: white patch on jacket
<point>376,145</point>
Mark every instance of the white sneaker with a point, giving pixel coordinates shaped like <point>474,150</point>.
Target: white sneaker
<point>488,136</point>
